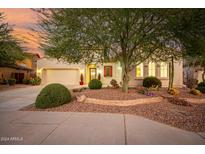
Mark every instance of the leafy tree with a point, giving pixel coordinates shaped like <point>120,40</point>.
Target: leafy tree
<point>189,27</point>
<point>130,36</point>
<point>10,49</point>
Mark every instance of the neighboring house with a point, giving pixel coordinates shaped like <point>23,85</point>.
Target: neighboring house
<point>53,71</point>
<point>22,70</point>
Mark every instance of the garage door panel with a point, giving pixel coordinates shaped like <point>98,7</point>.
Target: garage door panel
<point>62,76</point>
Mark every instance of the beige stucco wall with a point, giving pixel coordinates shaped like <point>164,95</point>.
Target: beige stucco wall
<point>199,76</point>
<point>53,64</point>
<point>116,72</point>
<point>178,76</point>
<point>44,64</point>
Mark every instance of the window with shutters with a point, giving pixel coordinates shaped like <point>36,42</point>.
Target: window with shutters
<point>107,71</point>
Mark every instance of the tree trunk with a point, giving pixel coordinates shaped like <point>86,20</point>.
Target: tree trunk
<point>203,75</point>
<point>125,78</point>
<point>125,82</point>
<point>171,74</point>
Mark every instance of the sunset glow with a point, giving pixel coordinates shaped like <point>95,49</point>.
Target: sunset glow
<point>23,21</point>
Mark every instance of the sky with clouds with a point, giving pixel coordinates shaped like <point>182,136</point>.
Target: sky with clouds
<point>23,21</point>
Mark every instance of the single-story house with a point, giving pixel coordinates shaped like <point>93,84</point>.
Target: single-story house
<point>53,71</point>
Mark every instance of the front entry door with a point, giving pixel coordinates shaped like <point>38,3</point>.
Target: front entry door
<point>92,73</point>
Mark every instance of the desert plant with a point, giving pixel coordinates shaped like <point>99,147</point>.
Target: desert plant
<point>173,91</point>
<point>35,81</point>
<point>195,92</point>
<point>114,83</point>
<point>95,84</point>
<point>152,82</point>
<point>11,81</point>
<point>52,95</point>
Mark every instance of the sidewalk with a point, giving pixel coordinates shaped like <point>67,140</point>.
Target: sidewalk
<point>26,127</point>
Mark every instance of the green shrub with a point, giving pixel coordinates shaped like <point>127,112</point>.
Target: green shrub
<point>11,81</point>
<point>195,92</point>
<point>201,84</point>
<point>95,84</point>
<point>152,82</point>
<point>35,81</point>
<point>52,95</point>
<point>201,89</point>
<point>26,81</point>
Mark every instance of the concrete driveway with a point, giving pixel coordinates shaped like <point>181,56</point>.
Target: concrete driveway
<point>12,100</point>
<point>27,127</point>
<point>15,99</point>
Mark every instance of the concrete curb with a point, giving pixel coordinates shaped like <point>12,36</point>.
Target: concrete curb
<point>195,100</point>
<point>123,102</point>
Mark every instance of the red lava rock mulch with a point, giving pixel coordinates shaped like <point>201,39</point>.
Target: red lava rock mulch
<point>111,94</point>
<point>191,118</point>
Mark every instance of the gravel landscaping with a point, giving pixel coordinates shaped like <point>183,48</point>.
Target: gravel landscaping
<point>117,94</point>
<point>111,94</point>
<point>191,118</point>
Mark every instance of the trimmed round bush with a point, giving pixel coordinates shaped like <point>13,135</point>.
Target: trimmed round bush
<point>201,84</point>
<point>152,82</point>
<point>95,84</point>
<point>201,87</point>
<point>52,95</point>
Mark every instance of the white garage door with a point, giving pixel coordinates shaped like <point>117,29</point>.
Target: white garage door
<point>69,77</point>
